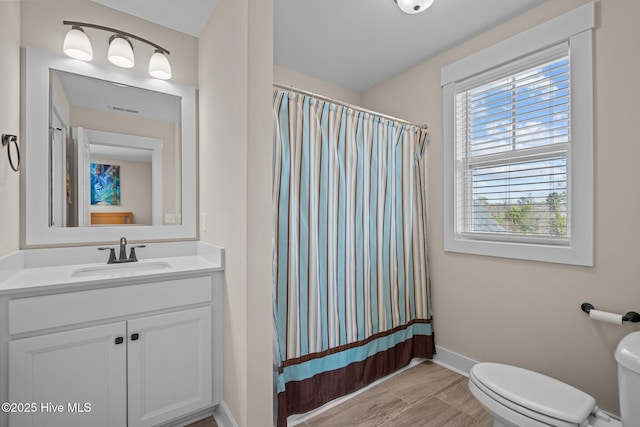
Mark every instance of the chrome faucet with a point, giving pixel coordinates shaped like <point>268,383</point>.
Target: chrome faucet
<point>123,253</point>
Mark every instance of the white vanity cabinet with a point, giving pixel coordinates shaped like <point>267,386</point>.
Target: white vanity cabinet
<point>74,367</point>
<point>142,354</point>
<point>169,366</point>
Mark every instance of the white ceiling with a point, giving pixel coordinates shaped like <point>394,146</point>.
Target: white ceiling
<point>360,43</point>
<point>352,43</point>
<point>186,16</point>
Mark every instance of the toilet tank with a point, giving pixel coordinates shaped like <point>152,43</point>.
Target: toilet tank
<point>628,358</point>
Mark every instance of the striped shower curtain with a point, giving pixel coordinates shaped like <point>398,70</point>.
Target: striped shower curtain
<point>351,287</point>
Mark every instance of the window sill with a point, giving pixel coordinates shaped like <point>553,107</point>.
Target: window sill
<point>576,254</point>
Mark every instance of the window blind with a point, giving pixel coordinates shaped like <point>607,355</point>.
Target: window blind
<point>513,151</point>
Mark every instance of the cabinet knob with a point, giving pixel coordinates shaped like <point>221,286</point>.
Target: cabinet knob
<point>134,337</point>
<point>119,340</point>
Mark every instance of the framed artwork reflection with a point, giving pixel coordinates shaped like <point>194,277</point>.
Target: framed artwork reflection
<point>105,184</point>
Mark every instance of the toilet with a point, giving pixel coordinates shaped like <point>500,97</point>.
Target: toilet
<point>522,398</point>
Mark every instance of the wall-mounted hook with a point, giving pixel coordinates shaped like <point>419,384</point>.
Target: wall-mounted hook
<point>6,141</point>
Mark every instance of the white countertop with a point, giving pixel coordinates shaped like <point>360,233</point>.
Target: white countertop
<point>35,271</point>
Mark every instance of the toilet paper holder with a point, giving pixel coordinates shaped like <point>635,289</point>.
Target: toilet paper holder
<point>631,316</point>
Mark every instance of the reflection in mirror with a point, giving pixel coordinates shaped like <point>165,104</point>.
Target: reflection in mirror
<point>115,154</point>
<point>53,214</point>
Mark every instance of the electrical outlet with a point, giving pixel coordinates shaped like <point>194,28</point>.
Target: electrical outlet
<point>169,218</point>
<point>203,221</point>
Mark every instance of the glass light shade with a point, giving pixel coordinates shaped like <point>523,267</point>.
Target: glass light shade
<point>414,6</point>
<point>159,66</point>
<point>77,45</point>
<point>120,52</point>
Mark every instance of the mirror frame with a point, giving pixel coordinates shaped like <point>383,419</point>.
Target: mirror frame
<point>36,136</point>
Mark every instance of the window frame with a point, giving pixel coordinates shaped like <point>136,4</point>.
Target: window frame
<point>574,28</point>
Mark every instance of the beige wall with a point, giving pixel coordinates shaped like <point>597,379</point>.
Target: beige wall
<point>298,80</point>
<point>223,176</point>
<point>528,313</point>
<point>260,218</point>
<point>135,196</point>
<point>9,124</point>
<point>235,69</point>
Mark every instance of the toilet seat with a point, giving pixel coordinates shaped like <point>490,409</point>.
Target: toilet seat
<point>533,395</point>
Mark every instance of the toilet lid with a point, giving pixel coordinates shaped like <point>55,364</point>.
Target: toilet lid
<point>534,391</point>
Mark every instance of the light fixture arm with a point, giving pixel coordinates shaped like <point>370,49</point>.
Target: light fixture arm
<point>119,32</point>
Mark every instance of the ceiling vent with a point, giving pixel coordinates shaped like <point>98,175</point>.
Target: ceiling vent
<point>123,110</point>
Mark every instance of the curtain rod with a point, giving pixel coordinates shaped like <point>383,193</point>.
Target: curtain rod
<point>344,104</point>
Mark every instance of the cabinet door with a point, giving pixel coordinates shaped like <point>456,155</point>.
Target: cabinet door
<point>169,359</point>
<point>74,378</point>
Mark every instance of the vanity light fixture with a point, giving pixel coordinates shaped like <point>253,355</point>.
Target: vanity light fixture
<point>77,45</point>
<point>414,6</point>
<point>159,66</point>
<point>120,51</point>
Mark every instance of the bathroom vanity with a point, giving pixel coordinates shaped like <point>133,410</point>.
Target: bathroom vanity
<point>91,344</point>
<point>83,342</point>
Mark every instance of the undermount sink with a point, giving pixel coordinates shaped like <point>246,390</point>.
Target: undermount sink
<point>118,270</point>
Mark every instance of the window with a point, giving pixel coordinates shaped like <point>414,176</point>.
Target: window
<point>512,151</point>
<point>518,145</point>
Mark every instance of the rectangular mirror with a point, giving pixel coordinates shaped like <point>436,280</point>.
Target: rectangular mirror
<point>135,131</point>
<point>108,153</point>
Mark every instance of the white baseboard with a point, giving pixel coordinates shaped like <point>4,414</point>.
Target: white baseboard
<point>223,416</point>
<point>454,361</point>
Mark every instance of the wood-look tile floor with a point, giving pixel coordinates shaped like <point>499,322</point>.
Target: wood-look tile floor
<point>207,422</point>
<point>426,395</point>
